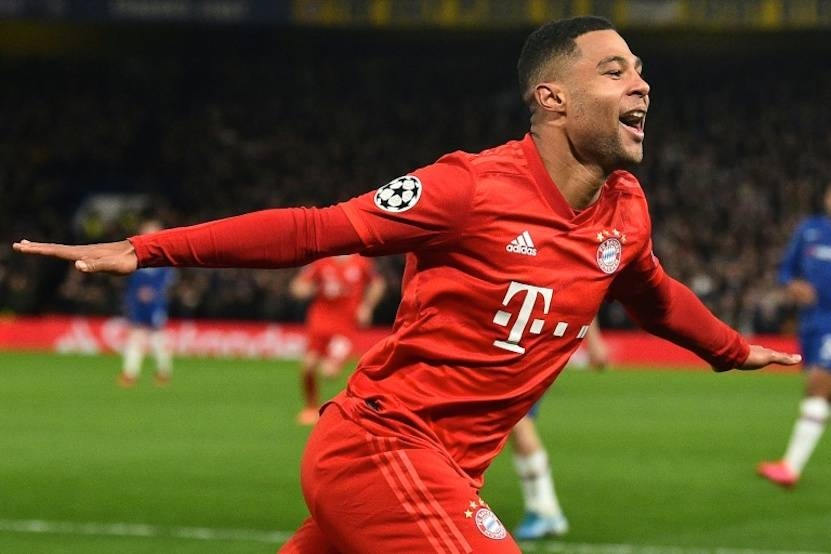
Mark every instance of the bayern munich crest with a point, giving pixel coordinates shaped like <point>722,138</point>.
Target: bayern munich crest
<point>399,195</point>
<point>609,254</point>
<point>489,525</point>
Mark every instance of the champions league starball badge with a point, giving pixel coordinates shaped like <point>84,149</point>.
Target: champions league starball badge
<point>399,195</point>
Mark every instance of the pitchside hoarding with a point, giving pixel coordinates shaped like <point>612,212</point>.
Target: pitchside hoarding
<point>264,340</point>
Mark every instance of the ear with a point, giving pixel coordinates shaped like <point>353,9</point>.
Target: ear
<point>550,97</point>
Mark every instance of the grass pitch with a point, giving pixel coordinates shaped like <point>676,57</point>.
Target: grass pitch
<point>644,461</point>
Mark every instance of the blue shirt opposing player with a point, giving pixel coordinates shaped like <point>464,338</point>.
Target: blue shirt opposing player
<point>806,273</point>
<point>146,304</point>
<point>146,296</point>
<point>543,514</point>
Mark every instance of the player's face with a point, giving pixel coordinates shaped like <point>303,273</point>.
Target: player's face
<point>608,101</point>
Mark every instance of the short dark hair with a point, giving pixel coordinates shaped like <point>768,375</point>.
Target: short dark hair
<point>549,42</point>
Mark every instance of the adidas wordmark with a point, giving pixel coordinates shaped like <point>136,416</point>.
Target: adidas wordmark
<point>522,245</point>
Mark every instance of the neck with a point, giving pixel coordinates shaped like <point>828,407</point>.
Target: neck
<point>578,182</point>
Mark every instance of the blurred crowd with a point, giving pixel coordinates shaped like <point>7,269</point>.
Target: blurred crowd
<point>736,154</point>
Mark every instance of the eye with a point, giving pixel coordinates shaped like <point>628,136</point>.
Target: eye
<point>614,73</point>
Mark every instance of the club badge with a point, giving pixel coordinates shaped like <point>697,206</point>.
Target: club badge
<point>610,250</point>
<point>486,521</point>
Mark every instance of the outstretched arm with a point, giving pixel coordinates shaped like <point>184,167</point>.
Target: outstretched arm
<point>292,237</point>
<point>672,311</point>
<point>264,239</point>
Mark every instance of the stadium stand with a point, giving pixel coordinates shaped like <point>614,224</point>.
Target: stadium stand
<point>197,128</point>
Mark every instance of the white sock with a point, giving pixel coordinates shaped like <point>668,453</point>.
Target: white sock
<point>806,432</point>
<point>134,353</point>
<point>161,350</point>
<point>537,484</point>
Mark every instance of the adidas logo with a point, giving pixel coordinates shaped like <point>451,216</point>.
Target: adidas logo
<point>522,245</point>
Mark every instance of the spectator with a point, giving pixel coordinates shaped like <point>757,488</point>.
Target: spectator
<point>235,131</point>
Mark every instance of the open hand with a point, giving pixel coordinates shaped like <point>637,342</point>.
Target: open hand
<point>118,258</point>
<point>760,356</point>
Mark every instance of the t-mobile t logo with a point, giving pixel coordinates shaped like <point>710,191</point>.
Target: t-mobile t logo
<point>503,318</point>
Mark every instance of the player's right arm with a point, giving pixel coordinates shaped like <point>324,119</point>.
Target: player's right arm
<point>290,237</point>
<point>265,239</point>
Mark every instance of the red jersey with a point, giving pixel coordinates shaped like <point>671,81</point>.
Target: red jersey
<point>341,282</point>
<point>503,279</point>
<point>502,282</point>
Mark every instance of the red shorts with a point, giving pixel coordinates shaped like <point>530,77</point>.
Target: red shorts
<point>371,493</point>
<point>332,345</point>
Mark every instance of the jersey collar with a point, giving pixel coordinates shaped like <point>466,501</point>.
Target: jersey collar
<point>548,188</point>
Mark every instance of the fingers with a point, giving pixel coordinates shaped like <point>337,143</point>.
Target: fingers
<point>760,357</point>
<point>785,359</point>
<point>61,251</point>
<point>113,257</point>
<point>768,356</point>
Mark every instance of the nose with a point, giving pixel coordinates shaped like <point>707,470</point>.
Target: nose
<point>641,87</point>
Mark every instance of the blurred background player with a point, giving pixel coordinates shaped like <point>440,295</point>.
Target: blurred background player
<point>543,514</point>
<point>344,292</point>
<point>806,273</point>
<point>146,306</point>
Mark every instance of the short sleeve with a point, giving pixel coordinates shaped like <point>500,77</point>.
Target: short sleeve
<point>422,209</point>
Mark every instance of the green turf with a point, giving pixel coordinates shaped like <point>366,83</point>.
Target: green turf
<point>641,458</point>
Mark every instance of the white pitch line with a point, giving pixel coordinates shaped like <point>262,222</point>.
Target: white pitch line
<point>560,547</point>
<point>141,530</point>
<point>37,526</point>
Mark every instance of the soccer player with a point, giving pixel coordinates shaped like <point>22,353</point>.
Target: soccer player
<point>345,291</point>
<point>146,304</point>
<point>510,252</point>
<point>806,273</point>
<point>543,514</point>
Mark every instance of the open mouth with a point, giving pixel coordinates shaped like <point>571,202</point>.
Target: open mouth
<point>634,121</point>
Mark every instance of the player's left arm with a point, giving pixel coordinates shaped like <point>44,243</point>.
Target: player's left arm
<point>667,308</point>
<point>672,311</point>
